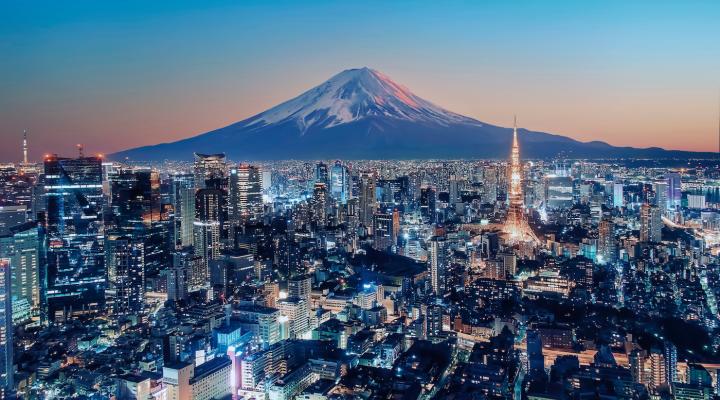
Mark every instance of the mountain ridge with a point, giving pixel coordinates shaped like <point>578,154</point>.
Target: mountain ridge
<point>363,114</point>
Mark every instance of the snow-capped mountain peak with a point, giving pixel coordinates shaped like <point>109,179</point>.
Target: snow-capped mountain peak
<point>352,95</point>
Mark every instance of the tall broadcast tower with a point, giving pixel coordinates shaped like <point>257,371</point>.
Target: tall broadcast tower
<point>516,225</point>
<point>25,147</point>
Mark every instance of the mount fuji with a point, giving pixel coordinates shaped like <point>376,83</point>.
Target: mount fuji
<point>363,114</point>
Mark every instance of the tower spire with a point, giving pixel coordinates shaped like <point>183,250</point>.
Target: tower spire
<point>516,225</point>
<point>25,147</point>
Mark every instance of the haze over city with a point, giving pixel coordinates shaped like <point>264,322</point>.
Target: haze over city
<point>116,76</point>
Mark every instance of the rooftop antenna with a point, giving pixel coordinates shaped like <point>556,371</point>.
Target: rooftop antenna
<point>25,147</point>
<point>80,150</point>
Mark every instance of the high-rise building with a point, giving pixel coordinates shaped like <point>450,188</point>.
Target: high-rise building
<point>266,180</point>
<point>670,356</point>
<point>438,265</point>
<point>125,262</point>
<point>210,170</point>
<point>696,201</point>
<point>297,312</point>
<point>182,197</point>
<point>7,384</point>
<point>245,194</point>
<point>454,189</point>
<point>300,287</point>
<point>24,249</point>
<point>697,374</point>
<point>674,187</point>
<point>208,225</point>
<point>636,359</point>
<point>134,198</point>
<point>177,376</point>
<point>433,320</point>
<point>558,192</point>
<point>427,204</point>
<point>207,248</point>
<point>267,320</point>
<point>618,197</point>
<point>12,215</point>
<point>319,205</point>
<point>490,184</point>
<point>650,223</point>
<point>536,359</point>
<point>135,209</point>
<point>75,259</point>
<point>658,374</point>
<point>271,292</point>
<point>661,194</point>
<point>322,174</point>
<point>384,231</point>
<point>509,261</point>
<point>339,182</point>
<point>368,201</point>
<point>178,275</point>
<point>607,246</point>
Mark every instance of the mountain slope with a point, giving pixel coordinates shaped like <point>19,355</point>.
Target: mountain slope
<point>363,114</point>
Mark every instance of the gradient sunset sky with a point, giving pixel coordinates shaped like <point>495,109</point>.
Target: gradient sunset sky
<point>113,75</point>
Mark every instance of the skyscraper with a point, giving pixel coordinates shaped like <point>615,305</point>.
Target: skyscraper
<point>536,359</point>
<point>427,204</point>
<point>607,247</point>
<point>319,205</point>
<point>650,224</point>
<point>209,170</point>
<point>182,197</point>
<point>300,287</point>
<point>658,374</point>
<point>339,182</point>
<point>135,198</point>
<point>454,189</point>
<point>297,312</point>
<point>384,231</point>
<point>125,261</point>
<point>76,260</point>
<point>208,225</point>
<point>368,201</point>
<point>674,187</point>
<point>321,173</point>
<point>136,210</point>
<point>438,265</point>
<point>178,275</point>
<point>6,331</point>
<point>618,199</point>
<point>23,248</point>
<point>10,216</point>
<point>670,356</point>
<point>661,195</point>
<point>490,183</point>
<point>245,194</point>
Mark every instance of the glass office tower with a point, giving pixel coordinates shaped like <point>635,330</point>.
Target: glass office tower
<point>75,256</point>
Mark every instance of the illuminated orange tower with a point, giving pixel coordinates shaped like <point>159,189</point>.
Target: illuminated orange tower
<point>516,225</point>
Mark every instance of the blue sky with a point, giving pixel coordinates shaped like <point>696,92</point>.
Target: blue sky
<point>113,75</point>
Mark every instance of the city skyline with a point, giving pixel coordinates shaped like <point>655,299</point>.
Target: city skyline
<point>325,200</point>
<point>115,77</point>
